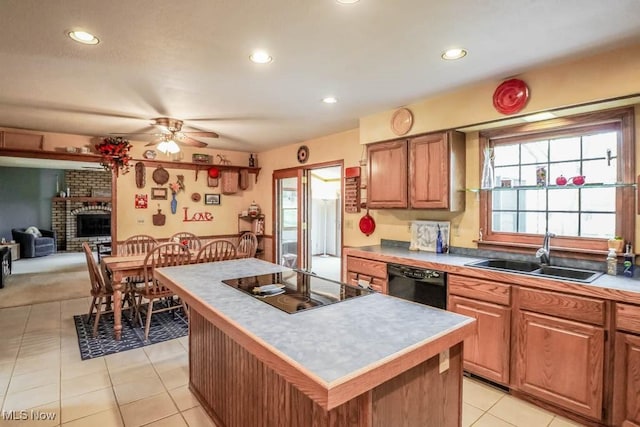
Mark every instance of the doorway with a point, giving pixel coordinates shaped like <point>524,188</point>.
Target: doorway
<point>308,218</point>
<point>325,235</point>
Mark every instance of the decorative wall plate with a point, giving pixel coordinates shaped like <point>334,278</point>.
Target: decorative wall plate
<point>149,154</point>
<point>303,154</point>
<point>510,96</point>
<point>196,197</point>
<point>140,175</point>
<point>401,121</point>
<point>160,176</point>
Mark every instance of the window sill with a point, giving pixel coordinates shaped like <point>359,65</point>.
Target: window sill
<point>556,251</point>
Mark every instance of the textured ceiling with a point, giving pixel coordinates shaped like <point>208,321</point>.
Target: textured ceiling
<point>189,59</point>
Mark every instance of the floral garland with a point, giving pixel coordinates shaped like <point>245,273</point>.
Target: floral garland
<point>115,154</point>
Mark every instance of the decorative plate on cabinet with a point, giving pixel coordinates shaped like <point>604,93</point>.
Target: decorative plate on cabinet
<point>401,121</point>
<point>510,96</point>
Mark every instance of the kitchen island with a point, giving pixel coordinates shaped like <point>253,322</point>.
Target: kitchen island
<point>371,360</point>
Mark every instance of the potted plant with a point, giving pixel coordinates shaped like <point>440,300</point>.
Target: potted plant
<point>616,243</point>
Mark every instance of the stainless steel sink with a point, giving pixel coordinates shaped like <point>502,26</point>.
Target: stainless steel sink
<point>506,264</point>
<point>535,269</point>
<point>567,273</point>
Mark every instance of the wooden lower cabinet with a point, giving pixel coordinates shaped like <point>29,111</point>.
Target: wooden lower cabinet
<point>486,353</point>
<point>560,361</point>
<point>626,392</point>
<point>626,386</point>
<point>361,272</point>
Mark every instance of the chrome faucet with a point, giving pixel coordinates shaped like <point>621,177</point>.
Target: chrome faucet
<point>544,253</point>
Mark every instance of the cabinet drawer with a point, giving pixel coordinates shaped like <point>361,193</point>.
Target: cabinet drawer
<point>483,290</point>
<point>375,283</point>
<point>366,266</point>
<point>628,317</point>
<point>580,309</point>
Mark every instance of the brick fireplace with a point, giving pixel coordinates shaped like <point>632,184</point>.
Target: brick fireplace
<point>85,207</point>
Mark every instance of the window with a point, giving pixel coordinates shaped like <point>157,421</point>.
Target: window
<point>527,201</point>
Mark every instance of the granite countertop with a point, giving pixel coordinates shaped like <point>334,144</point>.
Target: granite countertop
<point>332,342</point>
<point>608,282</point>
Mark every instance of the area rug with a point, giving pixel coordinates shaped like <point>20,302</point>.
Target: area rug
<point>164,326</point>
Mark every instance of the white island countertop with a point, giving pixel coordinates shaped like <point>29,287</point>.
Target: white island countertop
<point>330,348</point>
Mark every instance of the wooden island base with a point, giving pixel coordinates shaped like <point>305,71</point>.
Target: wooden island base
<point>238,390</point>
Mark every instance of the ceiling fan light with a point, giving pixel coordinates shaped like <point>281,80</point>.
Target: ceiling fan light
<point>165,147</point>
<point>172,147</point>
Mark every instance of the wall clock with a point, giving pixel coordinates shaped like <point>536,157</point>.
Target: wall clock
<point>303,154</point>
<point>401,121</point>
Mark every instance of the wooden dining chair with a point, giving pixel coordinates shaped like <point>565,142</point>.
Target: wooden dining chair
<point>138,244</point>
<point>163,255</point>
<point>101,290</point>
<point>247,245</point>
<point>193,242</point>
<point>217,250</point>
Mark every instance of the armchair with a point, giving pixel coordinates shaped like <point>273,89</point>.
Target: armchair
<point>35,244</point>
<point>5,264</point>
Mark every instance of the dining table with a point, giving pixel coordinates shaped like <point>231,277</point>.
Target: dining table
<point>118,268</point>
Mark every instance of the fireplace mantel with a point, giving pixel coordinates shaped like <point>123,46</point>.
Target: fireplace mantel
<point>81,199</point>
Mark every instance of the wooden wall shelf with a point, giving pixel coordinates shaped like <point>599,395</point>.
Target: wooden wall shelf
<point>194,166</point>
<point>92,157</point>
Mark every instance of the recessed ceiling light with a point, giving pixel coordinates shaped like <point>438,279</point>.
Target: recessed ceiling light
<point>329,100</point>
<point>347,1</point>
<point>539,116</point>
<point>260,57</point>
<point>451,54</point>
<point>83,37</point>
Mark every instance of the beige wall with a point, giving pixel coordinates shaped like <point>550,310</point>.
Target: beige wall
<point>225,216</point>
<point>578,81</point>
<point>584,80</point>
<point>587,79</point>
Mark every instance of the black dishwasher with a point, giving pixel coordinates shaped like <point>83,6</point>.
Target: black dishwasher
<point>418,284</point>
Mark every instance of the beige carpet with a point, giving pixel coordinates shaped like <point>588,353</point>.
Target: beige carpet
<point>55,277</point>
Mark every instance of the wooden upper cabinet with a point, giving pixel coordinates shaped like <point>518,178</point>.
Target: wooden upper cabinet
<point>424,172</point>
<point>437,171</point>
<point>387,185</point>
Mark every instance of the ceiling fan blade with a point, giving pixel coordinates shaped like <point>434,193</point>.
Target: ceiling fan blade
<point>202,134</point>
<point>147,130</point>
<point>133,133</point>
<point>193,142</point>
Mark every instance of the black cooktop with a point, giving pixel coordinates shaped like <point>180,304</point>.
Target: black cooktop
<point>294,290</point>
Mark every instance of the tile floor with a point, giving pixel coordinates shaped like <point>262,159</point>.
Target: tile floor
<point>41,373</point>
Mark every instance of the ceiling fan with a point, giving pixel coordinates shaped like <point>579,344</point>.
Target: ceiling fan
<point>171,135</point>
